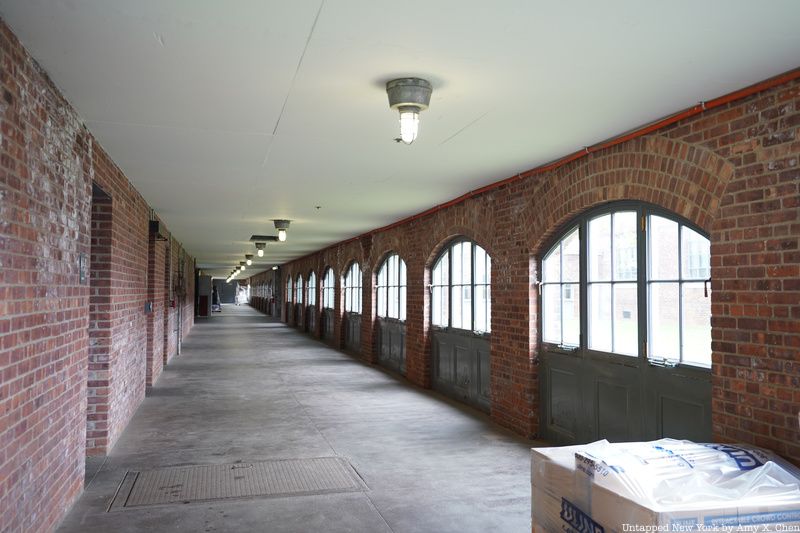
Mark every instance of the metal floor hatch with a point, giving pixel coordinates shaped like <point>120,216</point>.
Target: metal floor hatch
<point>202,483</point>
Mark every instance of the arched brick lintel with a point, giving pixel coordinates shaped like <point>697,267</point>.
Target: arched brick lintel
<point>686,179</point>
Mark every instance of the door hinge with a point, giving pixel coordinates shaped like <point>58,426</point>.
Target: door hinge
<point>644,222</point>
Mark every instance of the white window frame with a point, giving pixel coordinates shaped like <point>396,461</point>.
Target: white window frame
<point>442,288</point>
<point>391,289</point>
<point>351,284</point>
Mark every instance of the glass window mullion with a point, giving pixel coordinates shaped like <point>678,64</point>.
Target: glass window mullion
<point>583,277</point>
<point>680,292</point>
<point>472,286</point>
<point>642,288</point>
<point>450,288</point>
<point>561,288</point>
<point>612,277</point>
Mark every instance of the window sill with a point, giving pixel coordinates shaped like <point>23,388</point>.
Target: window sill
<point>459,331</point>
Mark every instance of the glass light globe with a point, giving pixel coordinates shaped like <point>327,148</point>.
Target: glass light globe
<point>409,126</point>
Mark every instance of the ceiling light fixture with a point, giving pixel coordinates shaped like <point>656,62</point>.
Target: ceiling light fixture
<point>409,96</point>
<point>275,267</point>
<point>249,259</point>
<point>281,226</point>
<point>260,247</point>
<point>242,265</point>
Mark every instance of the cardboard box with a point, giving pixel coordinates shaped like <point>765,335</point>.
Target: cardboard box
<point>664,485</point>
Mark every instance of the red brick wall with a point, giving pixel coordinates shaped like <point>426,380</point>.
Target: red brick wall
<point>155,319</point>
<point>45,208</point>
<point>755,242</point>
<point>167,256</point>
<point>732,170</point>
<point>99,323</point>
<point>48,163</point>
<point>128,336</point>
<point>170,340</point>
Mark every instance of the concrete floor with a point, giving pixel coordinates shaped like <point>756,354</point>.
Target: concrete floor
<point>251,389</point>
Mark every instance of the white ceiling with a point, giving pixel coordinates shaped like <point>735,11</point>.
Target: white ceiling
<point>228,114</point>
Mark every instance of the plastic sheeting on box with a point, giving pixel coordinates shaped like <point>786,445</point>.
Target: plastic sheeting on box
<point>663,485</point>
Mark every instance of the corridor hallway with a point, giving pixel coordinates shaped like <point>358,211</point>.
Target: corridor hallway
<point>247,388</point>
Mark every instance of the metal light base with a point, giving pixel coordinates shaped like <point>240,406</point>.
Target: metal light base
<point>409,93</point>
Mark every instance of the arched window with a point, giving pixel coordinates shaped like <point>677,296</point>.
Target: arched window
<point>632,280</point>
<point>312,289</point>
<point>461,288</point>
<point>289,293</point>
<point>328,289</point>
<point>391,288</point>
<point>298,287</point>
<point>352,289</point>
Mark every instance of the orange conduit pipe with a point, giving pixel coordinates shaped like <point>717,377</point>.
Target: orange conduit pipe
<point>549,167</point>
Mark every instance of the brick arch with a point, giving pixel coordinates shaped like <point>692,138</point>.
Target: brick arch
<point>348,264</point>
<point>325,267</point>
<point>455,232</point>
<point>686,179</point>
<point>379,259</point>
<point>383,245</point>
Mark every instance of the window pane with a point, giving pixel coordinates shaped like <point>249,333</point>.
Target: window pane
<point>480,266</point>
<point>402,303</point>
<point>312,289</point>
<point>457,265</point>
<point>600,316</point>
<point>551,266</point>
<point>461,307</point>
<point>551,318</point>
<point>402,272</point>
<point>488,308</point>
<point>381,303</point>
<point>696,255</point>
<point>571,312</point>
<point>663,248</point>
<point>696,322</point>
<point>381,282</point>
<point>600,248</point>
<point>665,341</point>
<point>466,307</point>
<point>391,267</point>
<point>456,307</point>
<point>392,302</point>
<point>626,324</point>
<point>443,306</point>
<point>570,250</point>
<point>625,246</point>
<point>440,273</point>
<point>466,262</point>
<point>481,295</point>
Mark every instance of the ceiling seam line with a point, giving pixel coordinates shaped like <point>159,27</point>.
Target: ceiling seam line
<point>297,69</point>
<point>465,127</point>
